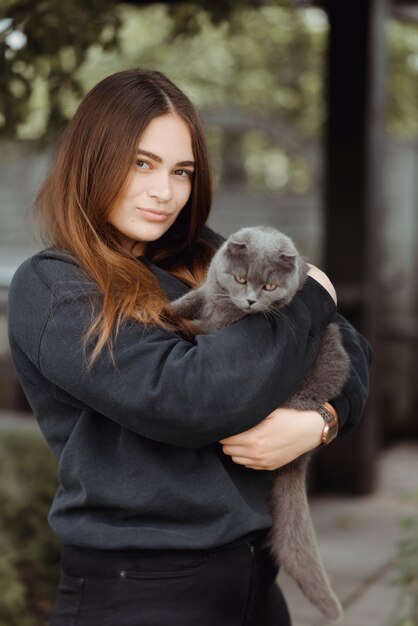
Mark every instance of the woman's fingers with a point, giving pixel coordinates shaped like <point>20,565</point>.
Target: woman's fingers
<point>280,438</point>
<point>239,460</point>
<point>235,450</point>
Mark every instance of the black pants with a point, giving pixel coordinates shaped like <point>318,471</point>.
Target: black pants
<point>231,586</point>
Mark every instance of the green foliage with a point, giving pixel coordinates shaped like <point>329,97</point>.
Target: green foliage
<point>42,44</point>
<point>269,56</point>
<point>29,562</point>
<point>261,68</point>
<point>12,601</point>
<point>269,59</point>
<point>407,573</point>
<point>402,101</point>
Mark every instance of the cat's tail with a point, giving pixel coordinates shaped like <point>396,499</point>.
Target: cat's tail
<point>292,539</point>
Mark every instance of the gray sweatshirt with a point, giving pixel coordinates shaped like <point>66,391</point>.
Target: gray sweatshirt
<point>136,441</point>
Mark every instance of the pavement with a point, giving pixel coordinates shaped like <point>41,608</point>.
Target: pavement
<point>358,539</point>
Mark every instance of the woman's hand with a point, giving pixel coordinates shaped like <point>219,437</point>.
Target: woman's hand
<point>323,280</point>
<point>280,438</point>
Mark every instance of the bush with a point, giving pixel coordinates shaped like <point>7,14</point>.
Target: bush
<point>12,600</point>
<point>407,573</point>
<point>29,562</point>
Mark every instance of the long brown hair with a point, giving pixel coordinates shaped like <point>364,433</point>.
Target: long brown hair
<point>89,176</point>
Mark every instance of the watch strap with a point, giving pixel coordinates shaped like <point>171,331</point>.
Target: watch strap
<point>330,417</point>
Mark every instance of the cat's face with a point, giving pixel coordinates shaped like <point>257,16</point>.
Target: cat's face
<point>260,268</point>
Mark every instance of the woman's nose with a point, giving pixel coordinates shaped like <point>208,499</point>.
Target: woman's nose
<point>160,187</point>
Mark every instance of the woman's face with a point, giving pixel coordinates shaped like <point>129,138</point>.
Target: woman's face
<point>159,185</point>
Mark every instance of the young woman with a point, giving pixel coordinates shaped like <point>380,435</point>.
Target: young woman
<point>160,523</point>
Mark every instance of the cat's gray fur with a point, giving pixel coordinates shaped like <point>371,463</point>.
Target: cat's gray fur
<point>263,255</point>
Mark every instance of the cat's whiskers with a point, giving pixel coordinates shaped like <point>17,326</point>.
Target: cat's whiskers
<point>220,302</point>
<point>275,312</point>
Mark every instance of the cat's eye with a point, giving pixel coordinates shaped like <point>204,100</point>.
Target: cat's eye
<point>270,287</point>
<point>240,280</point>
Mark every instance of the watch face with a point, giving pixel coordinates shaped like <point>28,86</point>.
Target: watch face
<point>332,433</point>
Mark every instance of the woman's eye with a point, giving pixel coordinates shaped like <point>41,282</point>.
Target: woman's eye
<point>270,287</point>
<point>240,280</point>
<point>143,165</point>
<point>184,173</point>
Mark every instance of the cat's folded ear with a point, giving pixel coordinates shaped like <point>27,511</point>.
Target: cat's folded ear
<point>235,247</point>
<point>287,261</point>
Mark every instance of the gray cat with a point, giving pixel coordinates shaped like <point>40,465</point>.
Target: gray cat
<point>258,269</point>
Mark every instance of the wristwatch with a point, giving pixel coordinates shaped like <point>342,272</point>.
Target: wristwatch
<point>330,417</point>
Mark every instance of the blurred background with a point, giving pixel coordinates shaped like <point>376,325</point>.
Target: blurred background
<point>311,117</point>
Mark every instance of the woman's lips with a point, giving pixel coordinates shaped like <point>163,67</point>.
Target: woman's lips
<point>154,215</point>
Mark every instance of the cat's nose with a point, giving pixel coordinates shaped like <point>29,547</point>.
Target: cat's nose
<point>250,302</point>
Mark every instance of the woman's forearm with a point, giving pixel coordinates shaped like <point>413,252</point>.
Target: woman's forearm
<point>181,393</point>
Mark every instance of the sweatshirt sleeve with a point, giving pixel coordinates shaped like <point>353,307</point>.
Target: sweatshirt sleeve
<point>351,402</point>
<point>182,393</point>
